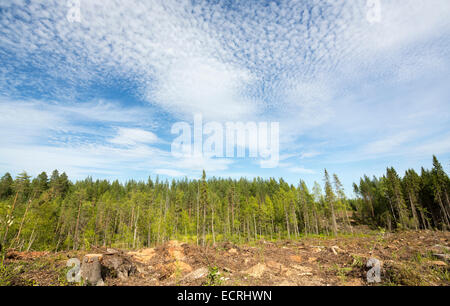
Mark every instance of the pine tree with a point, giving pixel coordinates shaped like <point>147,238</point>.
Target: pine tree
<point>342,199</point>
<point>204,204</point>
<point>396,196</point>
<point>412,188</point>
<point>330,199</point>
<point>60,215</point>
<point>440,180</point>
<point>6,186</point>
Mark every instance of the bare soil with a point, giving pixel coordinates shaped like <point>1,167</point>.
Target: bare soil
<point>407,258</point>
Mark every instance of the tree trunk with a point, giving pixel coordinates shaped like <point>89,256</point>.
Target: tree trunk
<point>32,237</point>
<point>135,229</point>
<point>149,227</point>
<point>333,219</point>
<point>91,269</point>
<point>23,220</point>
<point>204,225</point>
<point>346,216</point>
<point>413,210</point>
<point>212,226</point>
<point>287,222</point>
<point>444,211</point>
<point>75,244</point>
<point>254,224</point>
<point>198,214</point>
<point>10,215</point>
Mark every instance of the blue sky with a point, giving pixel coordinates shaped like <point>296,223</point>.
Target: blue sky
<point>98,97</point>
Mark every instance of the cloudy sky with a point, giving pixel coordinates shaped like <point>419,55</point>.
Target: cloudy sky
<point>99,97</point>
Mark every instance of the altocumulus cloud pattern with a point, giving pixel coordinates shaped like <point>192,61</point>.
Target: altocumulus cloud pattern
<point>98,96</point>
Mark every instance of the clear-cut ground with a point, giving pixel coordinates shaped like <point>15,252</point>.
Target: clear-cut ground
<point>408,258</point>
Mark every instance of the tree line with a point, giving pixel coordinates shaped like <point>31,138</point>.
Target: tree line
<point>53,213</point>
<point>412,202</point>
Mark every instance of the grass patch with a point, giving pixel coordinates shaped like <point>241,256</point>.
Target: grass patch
<point>213,278</point>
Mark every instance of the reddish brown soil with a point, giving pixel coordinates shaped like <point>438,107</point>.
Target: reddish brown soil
<point>407,259</point>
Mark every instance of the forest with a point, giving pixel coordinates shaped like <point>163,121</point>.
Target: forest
<point>55,214</point>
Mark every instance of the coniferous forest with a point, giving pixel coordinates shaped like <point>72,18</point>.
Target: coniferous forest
<point>53,213</point>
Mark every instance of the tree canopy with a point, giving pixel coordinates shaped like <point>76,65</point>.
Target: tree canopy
<point>53,213</point>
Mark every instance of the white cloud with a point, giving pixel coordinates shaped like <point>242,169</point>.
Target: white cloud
<point>388,143</point>
<point>169,172</point>
<point>301,170</point>
<point>204,86</point>
<point>25,121</point>
<point>320,71</point>
<point>309,154</point>
<point>433,146</point>
<point>126,136</point>
<point>199,163</point>
<point>191,56</point>
<point>38,136</point>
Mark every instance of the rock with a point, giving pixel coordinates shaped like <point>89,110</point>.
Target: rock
<point>197,274</point>
<point>91,269</point>
<point>257,270</point>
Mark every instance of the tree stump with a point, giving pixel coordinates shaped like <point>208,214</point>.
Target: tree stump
<point>117,265</point>
<point>91,269</point>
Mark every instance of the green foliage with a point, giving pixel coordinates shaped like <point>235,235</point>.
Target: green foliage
<point>412,202</point>
<point>52,213</point>
<point>5,275</point>
<point>213,278</point>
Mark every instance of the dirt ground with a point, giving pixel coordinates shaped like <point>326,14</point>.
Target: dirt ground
<point>407,258</point>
